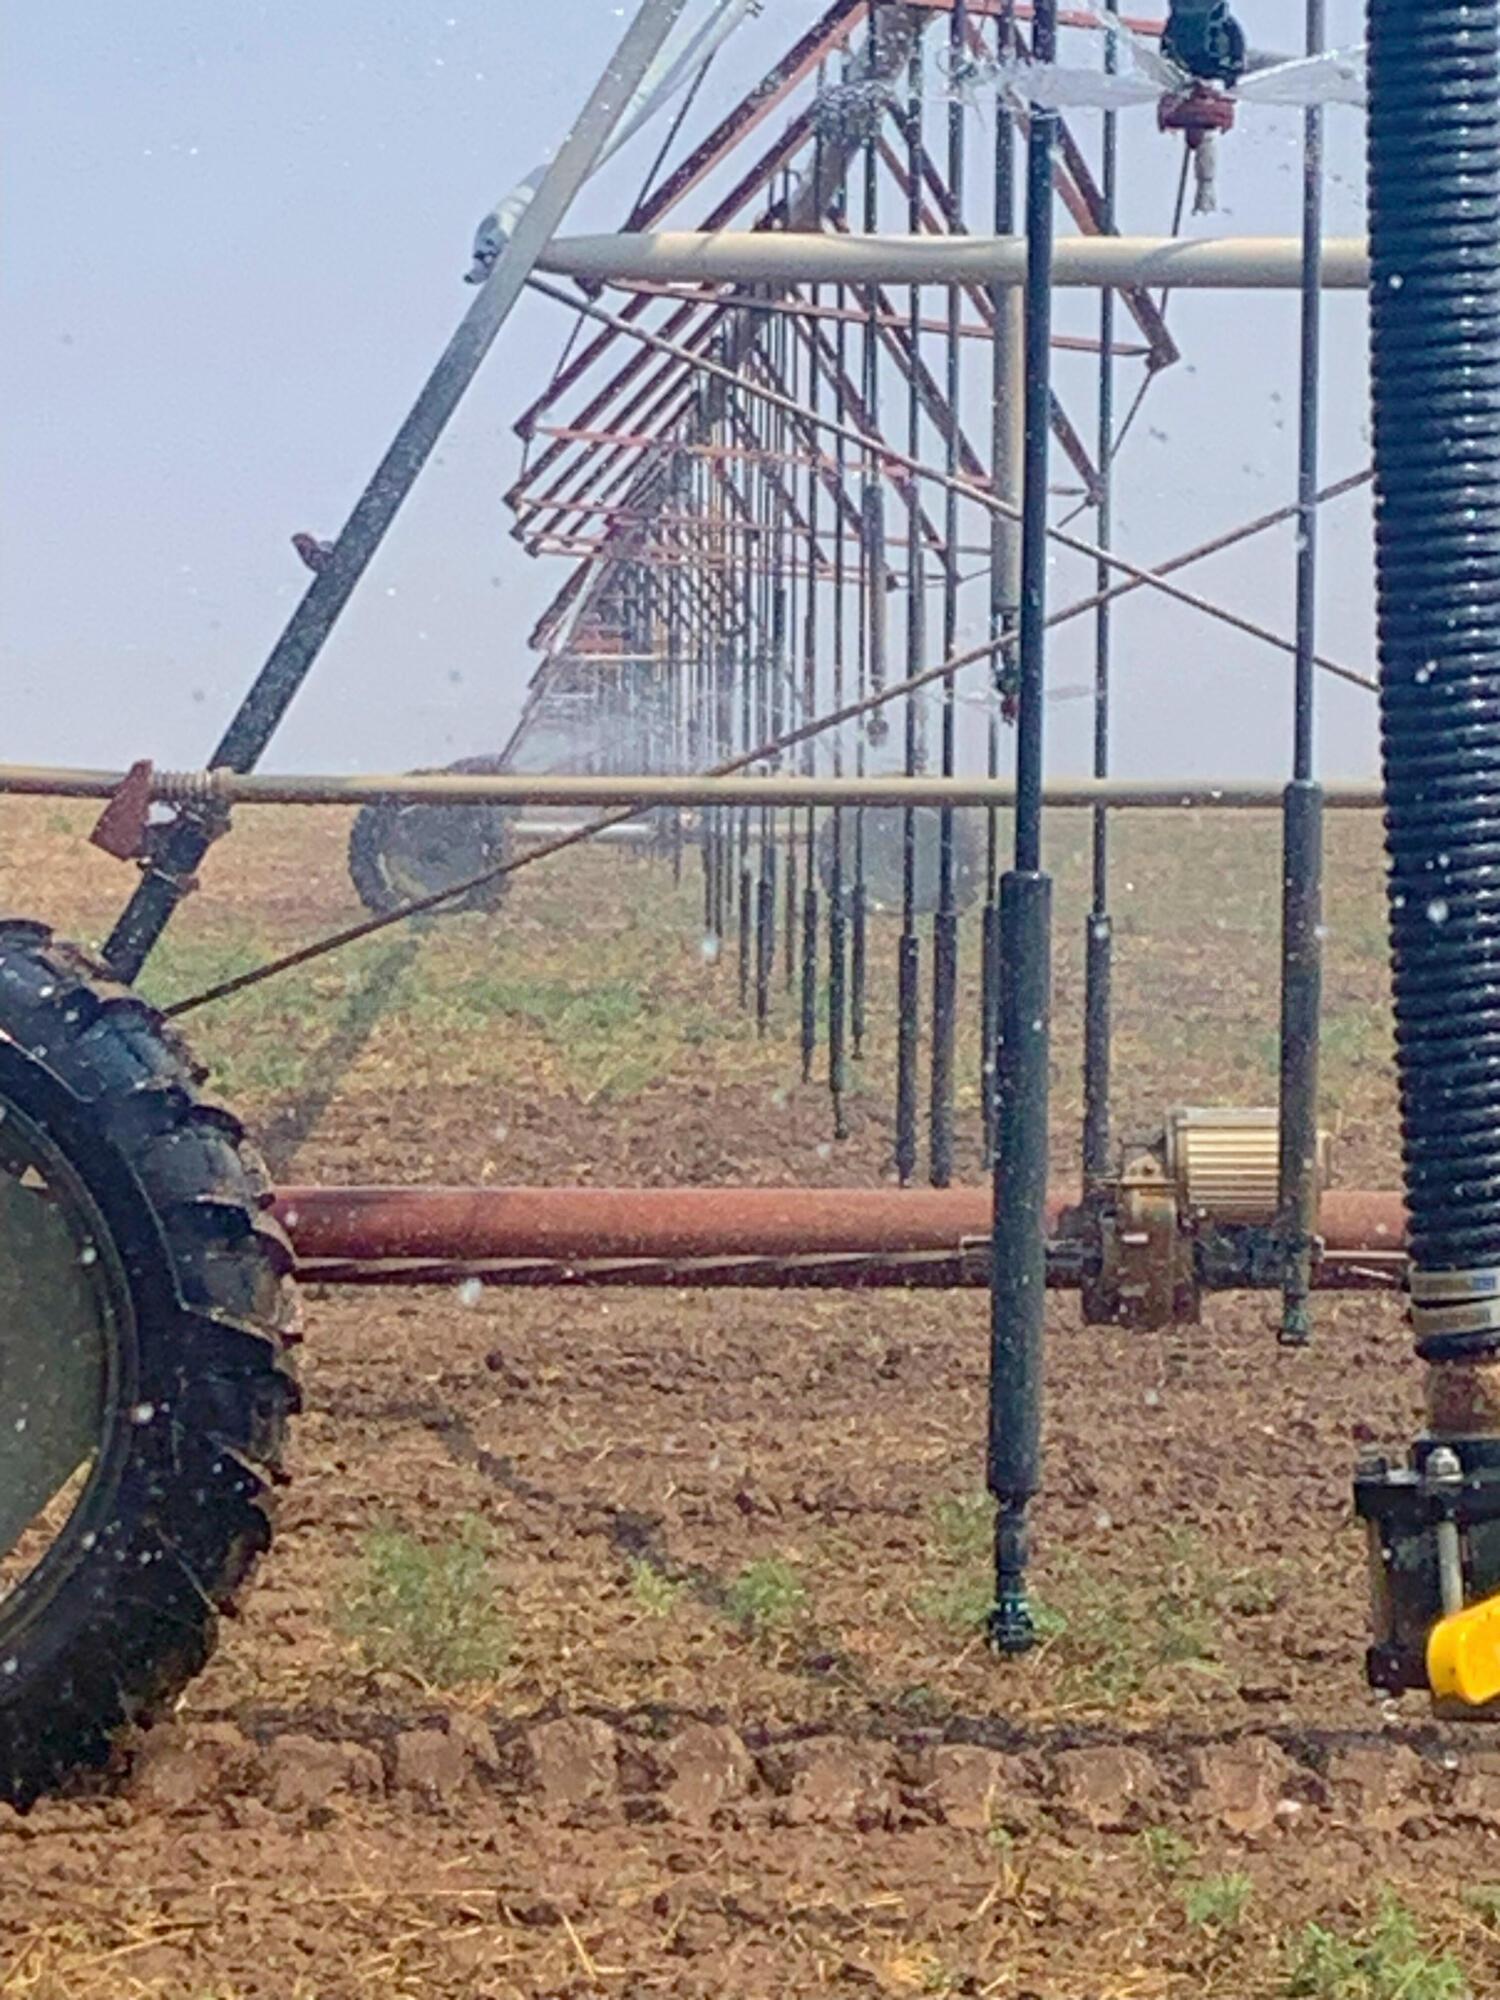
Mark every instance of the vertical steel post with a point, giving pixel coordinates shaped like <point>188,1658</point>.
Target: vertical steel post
<point>838,899</point>
<point>741,544</point>
<point>810,896</point>
<point>909,950</point>
<point>872,607</point>
<point>945,920</point>
<point>169,875</point>
<point>1019,1257</point>
<point>789,370</point>
<point>766,653</point>
<point>1098,936</point>
<point>1302,836</point>
<point>1007,439</point>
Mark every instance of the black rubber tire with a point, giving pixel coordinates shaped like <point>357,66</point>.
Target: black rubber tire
<point>123,1609</point>
<point>370,841</point>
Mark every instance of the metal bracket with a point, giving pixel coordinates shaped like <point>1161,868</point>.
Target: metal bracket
<point>123,828</point>
<point>1146,1277</point>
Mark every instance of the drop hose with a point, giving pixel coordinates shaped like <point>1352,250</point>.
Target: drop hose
<point>1434,204</point>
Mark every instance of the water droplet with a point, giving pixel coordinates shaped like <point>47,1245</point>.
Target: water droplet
<point>470,1292</point>
<point>143,1413</point>
<point>88,1254</point>
<point>708,950</point>
<point>1437,911</point>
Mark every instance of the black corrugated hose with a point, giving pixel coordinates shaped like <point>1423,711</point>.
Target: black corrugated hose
<point>1434,194</point>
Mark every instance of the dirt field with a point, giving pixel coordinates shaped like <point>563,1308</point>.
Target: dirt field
<point>626,1643</point>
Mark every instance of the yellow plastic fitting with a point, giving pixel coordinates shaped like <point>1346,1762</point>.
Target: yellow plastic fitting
<point>1463,1654</point>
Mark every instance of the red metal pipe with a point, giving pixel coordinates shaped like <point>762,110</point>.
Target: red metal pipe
<point>561,1224</point>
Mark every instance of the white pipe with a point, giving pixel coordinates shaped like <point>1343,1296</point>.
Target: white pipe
<point>645,791</point>
<point>1229,263</point>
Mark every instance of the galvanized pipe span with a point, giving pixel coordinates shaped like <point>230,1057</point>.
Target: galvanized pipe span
<point>647,790</point>
<point>1228,263</point>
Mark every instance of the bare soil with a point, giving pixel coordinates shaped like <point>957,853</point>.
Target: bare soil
<point>740,1736</point>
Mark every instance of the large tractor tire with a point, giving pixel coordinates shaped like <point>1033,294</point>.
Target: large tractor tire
<point>400,852</point>
<point>145,1309</point>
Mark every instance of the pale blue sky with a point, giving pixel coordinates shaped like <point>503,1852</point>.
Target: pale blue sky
<point>231,246</point>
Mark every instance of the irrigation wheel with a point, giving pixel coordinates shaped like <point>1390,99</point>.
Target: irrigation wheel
<point>145,1306</point>
<point>399,852</point>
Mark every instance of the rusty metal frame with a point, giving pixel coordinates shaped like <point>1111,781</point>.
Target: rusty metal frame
<point>592,489</point>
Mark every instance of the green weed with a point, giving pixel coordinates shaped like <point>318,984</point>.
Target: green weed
<point>1484,1899</point>
<point>1116,1633</point>
<point>1385,1960</point>
<point>766,1596</point>
<point>553,1004</point>
<point>960,1537</point>
<point>428,1610</point>
<point>962,1605</point>
<point>1217,1903</point>
<point>1167,1852</point>
<point>963,1527</point>
<point>656,1593</point>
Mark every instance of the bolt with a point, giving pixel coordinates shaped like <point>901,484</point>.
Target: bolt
<point>1442,1466</point>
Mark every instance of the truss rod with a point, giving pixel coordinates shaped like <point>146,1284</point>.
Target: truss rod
<point>981,495</point>
<point>1071,343</point>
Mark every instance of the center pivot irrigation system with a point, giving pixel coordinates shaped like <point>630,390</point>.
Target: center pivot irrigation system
<point>765,464</point>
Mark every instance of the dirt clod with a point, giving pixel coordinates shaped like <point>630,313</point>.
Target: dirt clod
<point>706,1768</point>
<point>1476,1788</point>
<point>181,1770</point>
<point>1242,1784</point>
<point>975,1788</point>
<point>1376,1786</point>
<point>1109,1788</point>
<point>841,1784</point>
<point>304,1773</point>
<point>477,1741</point>
<point>432,1763</point>
<point>573,1764</point>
